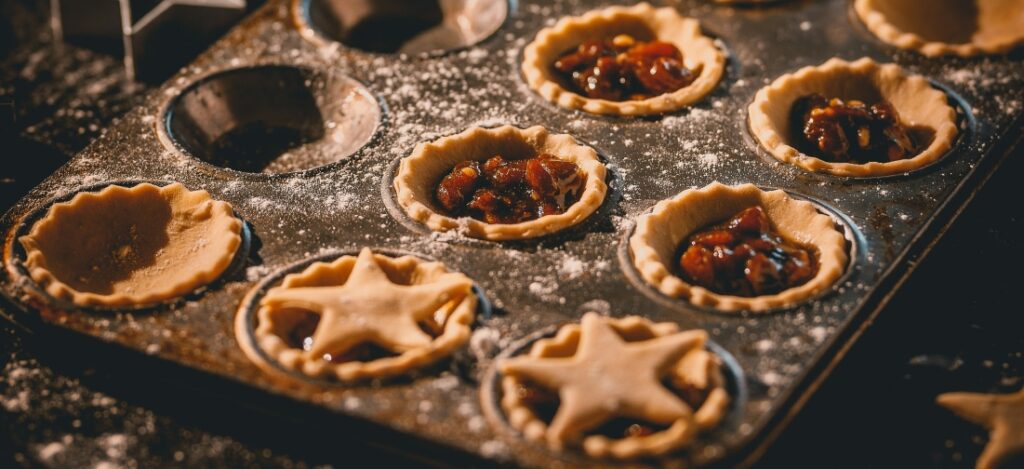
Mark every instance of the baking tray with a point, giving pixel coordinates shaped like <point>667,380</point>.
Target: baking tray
<point>774,361</point>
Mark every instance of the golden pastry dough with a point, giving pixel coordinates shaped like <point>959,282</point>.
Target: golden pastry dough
<point>641,21</point>
<point>131,246</point>
<point>946,27</point>
<point>1001,415</point>
<point>606,368</point>
<point>366,299</point>
<point>922,109</point>
<point>655,243</point>
<point>421,171</point>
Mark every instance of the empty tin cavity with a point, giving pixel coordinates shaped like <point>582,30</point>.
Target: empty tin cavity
<point>272,119</point>
<point>404,26</point>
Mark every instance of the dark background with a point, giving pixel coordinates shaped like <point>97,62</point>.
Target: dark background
<point>955,325</point>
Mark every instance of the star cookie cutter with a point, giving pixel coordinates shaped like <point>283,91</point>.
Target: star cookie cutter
<point>157,37</point>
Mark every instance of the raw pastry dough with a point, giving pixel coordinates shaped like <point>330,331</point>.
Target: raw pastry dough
<point>1001,414</point>
<point>655,243</point>
<point>946,27</point>
<point>367,299</point>
<point>421,171</point>
<point>641,21</point>
<point>923,110</point>
<point>606,368</point>
<point>131,246</point>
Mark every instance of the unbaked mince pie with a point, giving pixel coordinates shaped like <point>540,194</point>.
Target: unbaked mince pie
<point>502,183</point>
<point>738,248</point>
<point>363,316</point>
<point>856,118</point>
<point>620,60</point>
<point>616,388</point>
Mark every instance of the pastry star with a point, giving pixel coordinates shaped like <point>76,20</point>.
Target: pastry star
<point>370,308</point>
<point>608,377</point>
<point>1002,415</point>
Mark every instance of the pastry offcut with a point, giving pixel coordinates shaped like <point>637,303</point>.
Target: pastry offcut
<point>1002,415</point>
<point>640,22</point>
<point>619,388</point>
<point>946,27</point>
<point>923,110</point>
<point>655,244</point>
<point>364,317</point>
<point>131,246</point>
<point>431,165</point>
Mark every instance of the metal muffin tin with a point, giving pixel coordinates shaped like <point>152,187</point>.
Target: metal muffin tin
<point>777,359</point>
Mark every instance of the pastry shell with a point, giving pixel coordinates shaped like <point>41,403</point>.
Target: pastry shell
<point>921,108</point>
<point>698,367</point>
<point>419,173</point>
<point>995,26</point>
<point>457,314</point>
<point>655,242</point>
<point>641,21</point>
<point>131,246</point>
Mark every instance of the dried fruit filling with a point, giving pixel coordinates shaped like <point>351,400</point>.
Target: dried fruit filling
<point>510,191</point>
<point>745,257</point>
<point>850,131</point>
<point>624,68</point>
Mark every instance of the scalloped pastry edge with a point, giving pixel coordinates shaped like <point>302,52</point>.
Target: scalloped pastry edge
<point>879,25</point>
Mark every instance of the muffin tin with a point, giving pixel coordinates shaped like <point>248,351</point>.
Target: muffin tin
<point>333,194</point>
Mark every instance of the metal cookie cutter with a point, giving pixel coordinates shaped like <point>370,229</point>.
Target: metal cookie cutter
<point>157,37</point>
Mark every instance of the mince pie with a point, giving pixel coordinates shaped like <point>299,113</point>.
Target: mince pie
<point>502,183</point>
<point>620,60</point>
<point>617,388</point>
<point>854,119</point>
<point>738,248</point>
<point>363,317</point>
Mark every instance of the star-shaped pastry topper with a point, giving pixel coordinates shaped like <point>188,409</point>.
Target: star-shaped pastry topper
<point>608,377</point>
<point>369,307</point>
<point>1001,414</point>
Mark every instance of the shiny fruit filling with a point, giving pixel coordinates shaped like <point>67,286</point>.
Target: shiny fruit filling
<point>850,131</point>
<point>745,257</point>
<point>624,68</point>
<point>510,191</point>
